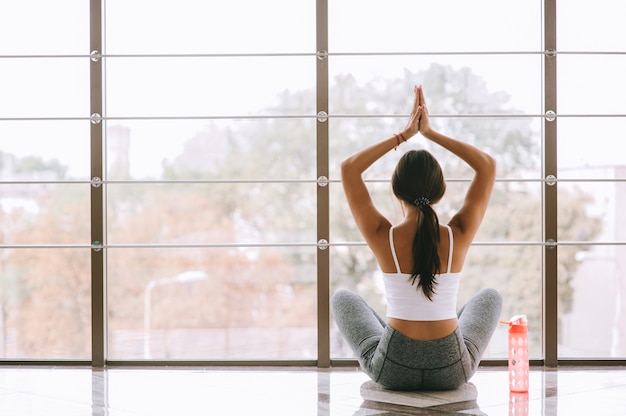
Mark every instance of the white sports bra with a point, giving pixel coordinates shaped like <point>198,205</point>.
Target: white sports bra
<point>406,301</point>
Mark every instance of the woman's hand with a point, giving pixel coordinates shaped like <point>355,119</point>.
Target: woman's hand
<point>422,114</point>
<point>418,120</point>
<point>413,125</point>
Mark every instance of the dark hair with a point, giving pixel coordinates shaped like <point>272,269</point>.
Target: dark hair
<point>418,175</point>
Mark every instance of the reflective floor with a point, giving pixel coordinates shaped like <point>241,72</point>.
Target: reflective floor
<point>300,391</point>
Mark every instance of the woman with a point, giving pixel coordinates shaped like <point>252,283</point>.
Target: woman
<point>424,344</point>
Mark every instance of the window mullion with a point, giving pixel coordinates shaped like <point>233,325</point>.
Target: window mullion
<point>323,255</point>
<point>98,299</point>
<point>550,295</point>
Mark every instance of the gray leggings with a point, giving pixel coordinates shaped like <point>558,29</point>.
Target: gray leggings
<point>400,363</point>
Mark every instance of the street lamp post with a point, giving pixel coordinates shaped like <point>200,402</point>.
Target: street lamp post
<point>184,277</point>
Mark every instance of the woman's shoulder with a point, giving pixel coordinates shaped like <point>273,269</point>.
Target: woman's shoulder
<point>460,246</point>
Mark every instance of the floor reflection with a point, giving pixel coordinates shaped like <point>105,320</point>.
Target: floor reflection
<point>297,391</point>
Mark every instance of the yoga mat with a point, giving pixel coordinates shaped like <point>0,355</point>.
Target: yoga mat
<point>375,392</point>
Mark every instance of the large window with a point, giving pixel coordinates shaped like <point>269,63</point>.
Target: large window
<point>178,164</point>
<point>591,123</point>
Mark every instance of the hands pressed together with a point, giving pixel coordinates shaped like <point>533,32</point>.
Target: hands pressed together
<point>418,119</point>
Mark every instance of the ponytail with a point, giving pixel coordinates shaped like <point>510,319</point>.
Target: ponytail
<point>426,258</point>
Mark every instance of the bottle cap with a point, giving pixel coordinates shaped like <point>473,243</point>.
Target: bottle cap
<point>517,323</point>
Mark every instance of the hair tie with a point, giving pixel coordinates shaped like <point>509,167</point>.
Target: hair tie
<point>421,201</point>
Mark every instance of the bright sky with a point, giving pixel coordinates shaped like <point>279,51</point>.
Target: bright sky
<point>135,86</point>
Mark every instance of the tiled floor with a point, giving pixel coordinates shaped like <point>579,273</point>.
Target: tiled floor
<point>302,391</point>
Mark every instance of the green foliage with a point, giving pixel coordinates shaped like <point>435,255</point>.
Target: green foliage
<point>31,164</point>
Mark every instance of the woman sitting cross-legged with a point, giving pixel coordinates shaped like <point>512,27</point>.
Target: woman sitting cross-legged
<point>424,343</point>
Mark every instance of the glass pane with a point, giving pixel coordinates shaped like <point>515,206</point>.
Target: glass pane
<point>200,87</point>
<point>213,303</point>
<point>603,23</point>
<point>37,27</point>
<point>198,26</point>
<point>515,271</point>
<point>44,150</point>
<point>476,84</point>
<point>605,96</point>
<point>212,149</point>
<point>45,213</point>
<point>45,303</point>
<point>592,211</point>
<point>591,147</point>
<point>592,322</point>
<point>409,25</point>
<point>44,87</point>
<point>241,213</point>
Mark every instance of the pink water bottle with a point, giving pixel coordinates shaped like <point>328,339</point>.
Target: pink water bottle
<point>518,353</point>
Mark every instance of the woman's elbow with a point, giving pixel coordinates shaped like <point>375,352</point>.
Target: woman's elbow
<point>346,167</point>
<point>490,165</point>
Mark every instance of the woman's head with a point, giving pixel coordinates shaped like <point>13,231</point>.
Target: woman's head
<point>418,180</point>
<point>418,175</point>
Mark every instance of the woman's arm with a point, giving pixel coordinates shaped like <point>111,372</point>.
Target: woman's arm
<point>369,220</point>
<point>367,217</point>
<point>468,218</point>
